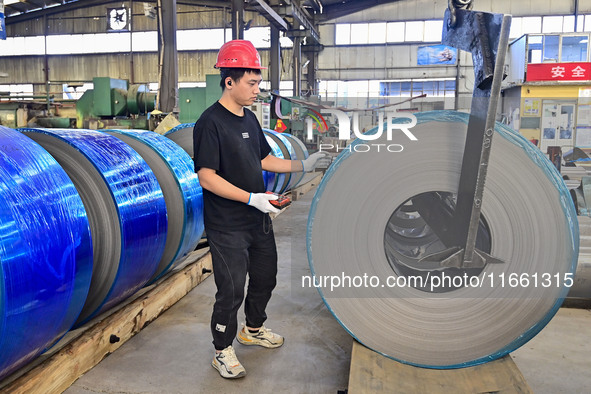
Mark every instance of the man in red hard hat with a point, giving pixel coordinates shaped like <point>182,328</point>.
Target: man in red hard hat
<point>230,154</point>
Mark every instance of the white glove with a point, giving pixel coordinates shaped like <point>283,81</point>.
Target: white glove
<point>312,161</point>
<point>261,202</point>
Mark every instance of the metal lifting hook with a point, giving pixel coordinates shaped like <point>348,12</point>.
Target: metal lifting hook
<point>453,4</point>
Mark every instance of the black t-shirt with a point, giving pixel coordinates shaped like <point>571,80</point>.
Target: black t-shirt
<point>233,146</point>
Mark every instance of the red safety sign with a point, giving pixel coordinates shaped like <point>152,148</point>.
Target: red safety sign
<point>558,72</point>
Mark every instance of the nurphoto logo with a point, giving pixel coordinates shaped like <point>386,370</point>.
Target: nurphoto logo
<point>346,124</point>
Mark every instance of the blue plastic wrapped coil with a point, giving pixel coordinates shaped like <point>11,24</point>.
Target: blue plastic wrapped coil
<point>183,195</point>
<point>125,207</point>
<point>301,153</point>
<point>289,153</point>
<point>275,181</point>
<point>45,251</point>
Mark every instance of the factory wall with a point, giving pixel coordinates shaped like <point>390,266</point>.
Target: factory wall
<point>345,63</point>
<point>434,9</point>
<point>93,20</point>
<point>399,60</point>
<point>193,65</point>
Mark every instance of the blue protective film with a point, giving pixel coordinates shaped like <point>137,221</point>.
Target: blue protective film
<point>292,177</point>
<point>571,232</point>
<point>275,180</point>
<point>181,168</point>
<point>137,200</point>
<point>301,154</point>
<point>45,251</point>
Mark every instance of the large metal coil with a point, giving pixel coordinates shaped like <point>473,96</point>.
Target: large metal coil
<point>364,232</point>
<point>581,288</point>
<point>286,146</point>
<point>45,251</point>
<point>289,153</point>
<point>125,207</point>
<point>183,136</point>
<point>275,181</point>
<point>301,153</point>
<point>183,195</point>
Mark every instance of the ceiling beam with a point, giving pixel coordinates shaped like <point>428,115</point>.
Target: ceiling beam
<point>270,14</point>
<point>347,7</point>
<point>74,5</point>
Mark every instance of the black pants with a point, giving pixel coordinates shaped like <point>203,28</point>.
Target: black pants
<point>234,254</point>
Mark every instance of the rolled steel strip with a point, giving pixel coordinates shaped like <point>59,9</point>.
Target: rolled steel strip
<point>301,153</point>
<point>529,217</point>
<point>125,207</point>
<point>45,251</point>
<point>182,135</point>
<point>183,195</point>
<point>276,180</point>
<point>289,153</point>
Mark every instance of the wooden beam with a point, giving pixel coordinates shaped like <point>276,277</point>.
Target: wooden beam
<point>373,373</point>
<point>56,373</point>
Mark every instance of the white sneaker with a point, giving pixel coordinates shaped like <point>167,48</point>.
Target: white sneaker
<point>227,364</point>
<point>264,338</point>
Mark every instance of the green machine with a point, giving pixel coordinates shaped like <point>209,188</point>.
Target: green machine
<point>114,103</point>
<point>193,101</point>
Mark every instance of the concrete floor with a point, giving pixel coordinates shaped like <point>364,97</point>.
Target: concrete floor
<point>173,354</point>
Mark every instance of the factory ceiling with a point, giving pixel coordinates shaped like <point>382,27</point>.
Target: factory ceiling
<point>318,10</point>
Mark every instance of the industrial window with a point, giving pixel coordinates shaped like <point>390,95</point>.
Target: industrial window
<point>558,48</point>
<point>75,91</point>
<point>574,48</point>
<point>551,48</point>
<point>535,49</point>
<point>144,41</point>
<point>430,30</point>
<point>343,34</point>
<point>433,31</point>
<point>147,41</point>
<point>359,33</point>
<point>376,33</point>
<point>259,36</point>
<point>432,88</point>
<point>199,39</point>
<point>16,91</point>
<point>415,31</point>
<point>552,24</point>
<point>395,32</point>
<point>532,24</point>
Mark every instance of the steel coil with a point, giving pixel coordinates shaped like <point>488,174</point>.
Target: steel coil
<point>183,195</point>
<point>182,135</point>
<point>301,153</point>
<point>125,207</point>
<point>45,251</point>
<point>275,180</point>
<point>527,214</point>
<point>289,153</point>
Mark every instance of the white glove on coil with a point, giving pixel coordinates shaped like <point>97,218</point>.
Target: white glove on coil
<point>261,202</point>
<point>312,161</point>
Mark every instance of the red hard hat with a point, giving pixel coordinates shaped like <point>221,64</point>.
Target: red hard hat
<point>239,54</point>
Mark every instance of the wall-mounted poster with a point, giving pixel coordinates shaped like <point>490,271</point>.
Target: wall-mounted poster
<point>531,107</point>
<point>436,54</point>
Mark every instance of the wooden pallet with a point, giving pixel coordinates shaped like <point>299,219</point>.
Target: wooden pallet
<point>312,180</point>
<point>373,373</point>
<point>85,347</point>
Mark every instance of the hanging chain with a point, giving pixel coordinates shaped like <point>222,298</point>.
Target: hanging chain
<point>453,4</point>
